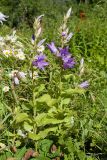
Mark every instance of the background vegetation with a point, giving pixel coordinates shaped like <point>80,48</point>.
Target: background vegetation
<point>87,138</point>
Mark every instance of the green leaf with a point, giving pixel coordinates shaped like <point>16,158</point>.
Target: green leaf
<point>8,154</point>
<point>44,119</point>
<point>66,101</point>
<point>46,98</point>
<point>68,76</point>
<point>19,155</point>
<point>73,91</point>
<point>27,127</point>
<point>45,145</point>
<point>20,117</point>
<point>41,134</point>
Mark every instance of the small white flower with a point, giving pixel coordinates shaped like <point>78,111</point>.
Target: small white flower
<point>6,53</point>
<point>20,54</point>
<point>12,38</point>
<point>2,17</point>
<point>5,88</point>
<point>20,133</point>
<point>40,48</point>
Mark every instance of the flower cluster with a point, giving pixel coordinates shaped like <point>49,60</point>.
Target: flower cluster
<point>40,62</point>
<point>64,30</point>
<point>10,46</point>
<point>64,54</point>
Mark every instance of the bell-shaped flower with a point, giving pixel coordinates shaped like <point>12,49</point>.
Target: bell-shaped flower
<point>52,47</point>
<point>40,62</point>
<point>84,84</point>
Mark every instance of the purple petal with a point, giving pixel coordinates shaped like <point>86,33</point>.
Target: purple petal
<point>33,37</point>
<point>41,42</point>
<point>84,84</point>
<point>52,47</point>
<point>40,62</point>
<point>40,57</point>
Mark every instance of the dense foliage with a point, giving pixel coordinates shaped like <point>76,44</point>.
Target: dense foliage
<point>53,105</point>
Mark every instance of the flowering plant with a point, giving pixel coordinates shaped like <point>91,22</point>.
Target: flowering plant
<point>38,84</point>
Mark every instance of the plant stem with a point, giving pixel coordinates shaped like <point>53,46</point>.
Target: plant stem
<point>14,94</point>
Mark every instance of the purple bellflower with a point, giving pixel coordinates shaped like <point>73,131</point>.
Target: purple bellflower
<point>84,84</point>
<point>63,52</point>
<point>40,62</point>
<point>52,47</point>
<point>68,61</point>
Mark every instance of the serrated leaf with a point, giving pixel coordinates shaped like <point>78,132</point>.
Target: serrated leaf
<point>41,134</point>
<point>20,117</point>
<point>27,127</point>
<point>43,119</point>
<point>46,98</point>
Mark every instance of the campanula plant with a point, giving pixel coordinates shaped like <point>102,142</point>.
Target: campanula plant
<point>39,83</point>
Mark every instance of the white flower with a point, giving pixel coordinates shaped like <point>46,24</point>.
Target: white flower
<point>20,54</point>
<point>5,88</point>
<point>40,48</point>
<point>20,133</point>
<point>12,38</point>
<point>2,17</point>
<point>6,53</point>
